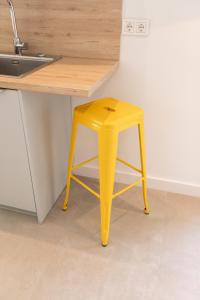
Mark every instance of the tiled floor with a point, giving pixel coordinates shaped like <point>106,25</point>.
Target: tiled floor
<point>155,257</point>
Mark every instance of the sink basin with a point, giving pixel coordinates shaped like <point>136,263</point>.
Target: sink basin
<point>19,66</point>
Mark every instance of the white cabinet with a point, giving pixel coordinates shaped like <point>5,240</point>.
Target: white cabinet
<point>16,188</point>
<point>34,135</point>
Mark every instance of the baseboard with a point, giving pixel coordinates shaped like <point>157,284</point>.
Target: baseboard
<point>17,210</point>
<point>153,182</point>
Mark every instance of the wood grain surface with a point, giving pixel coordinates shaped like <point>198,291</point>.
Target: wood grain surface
<point>77,28</point>
<point>67,76</point>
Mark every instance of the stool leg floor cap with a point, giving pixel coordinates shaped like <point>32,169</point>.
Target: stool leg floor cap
<point>146,211</point>
<point>64,208</point>
<point>104,245</point>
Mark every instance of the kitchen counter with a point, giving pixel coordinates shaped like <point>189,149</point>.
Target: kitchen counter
<point>35,129</point>
<point>67,76</point>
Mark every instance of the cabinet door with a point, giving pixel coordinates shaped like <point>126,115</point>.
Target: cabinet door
<point>15,179</point>
<point>47,120</point>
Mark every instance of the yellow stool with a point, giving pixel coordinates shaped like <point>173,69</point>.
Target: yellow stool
<point>108,117</point>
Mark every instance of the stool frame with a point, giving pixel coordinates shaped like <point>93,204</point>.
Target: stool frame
<point>107,155</point>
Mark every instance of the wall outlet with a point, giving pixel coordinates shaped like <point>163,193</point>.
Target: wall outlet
<point>128,26</point>
<point>138,27</point>
<point>142,27</point>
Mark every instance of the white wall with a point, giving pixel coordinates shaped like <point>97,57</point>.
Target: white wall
<point>160,73</point>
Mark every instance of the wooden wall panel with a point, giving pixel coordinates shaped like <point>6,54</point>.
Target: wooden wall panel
<point>79,28</point>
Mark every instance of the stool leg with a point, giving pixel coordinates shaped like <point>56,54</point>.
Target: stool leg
<point>143,164</point>
<point>70,162</point>
<point>108,140</point>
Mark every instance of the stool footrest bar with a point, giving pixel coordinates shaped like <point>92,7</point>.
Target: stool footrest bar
<point>94,192</point>
<point>96,157</point>
<point>85,186</point>
<point>128,187</point>
<point>84,163</point>
<point>128,165</point>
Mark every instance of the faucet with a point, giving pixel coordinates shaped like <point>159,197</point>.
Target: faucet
<point>19,46</point>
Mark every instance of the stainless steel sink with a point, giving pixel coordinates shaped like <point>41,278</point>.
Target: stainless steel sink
<point>19,66</point>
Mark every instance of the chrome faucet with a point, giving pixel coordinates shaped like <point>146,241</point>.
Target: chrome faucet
<point>19,46</point>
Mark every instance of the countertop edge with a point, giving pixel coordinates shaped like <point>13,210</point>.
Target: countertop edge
<point>34,84</point>
<point>45,90</point>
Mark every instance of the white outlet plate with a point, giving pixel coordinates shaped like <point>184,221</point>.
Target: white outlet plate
<point>137,27</point>
<point>142,27</point>
<point>128,26</point>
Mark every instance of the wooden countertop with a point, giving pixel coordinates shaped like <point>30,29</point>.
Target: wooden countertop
<point>67,76</point>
